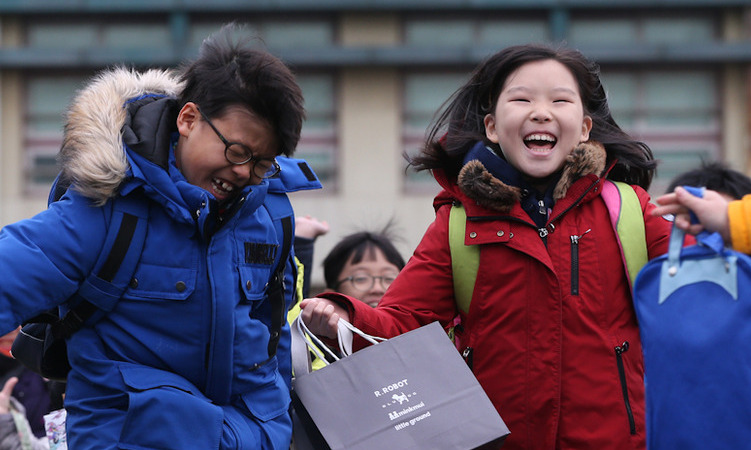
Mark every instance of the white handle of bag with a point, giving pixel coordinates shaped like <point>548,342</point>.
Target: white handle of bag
<point>345,336</point>
<point>303,340</point>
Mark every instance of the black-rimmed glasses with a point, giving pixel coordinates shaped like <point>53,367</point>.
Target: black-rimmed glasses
<point>365,283</point>
<point>239,154</point>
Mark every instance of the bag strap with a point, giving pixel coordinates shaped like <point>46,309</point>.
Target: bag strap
<point>280,210</point>
<point>303,340</point>
<point>626,216</point>
<point>276,288</point>
<point>627,219</point>
<point>465,259</point>
<point>114,268</point>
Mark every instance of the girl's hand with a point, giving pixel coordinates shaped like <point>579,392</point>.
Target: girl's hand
<point>711,210</point>
<point>322,316</point>
<point>6,393</point>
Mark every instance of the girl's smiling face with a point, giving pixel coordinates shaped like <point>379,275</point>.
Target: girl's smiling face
<point>200,152</point>
<point>539,118</point>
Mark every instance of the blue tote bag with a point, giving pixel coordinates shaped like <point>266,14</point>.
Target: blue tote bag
<point>694,310</point>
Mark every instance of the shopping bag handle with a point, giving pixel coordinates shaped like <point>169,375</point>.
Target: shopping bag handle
<point>712,241</point>
<point>345,336</point>
<point>303,340</point>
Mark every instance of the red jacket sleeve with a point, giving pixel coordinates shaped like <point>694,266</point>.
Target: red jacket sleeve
<point>422,293</point>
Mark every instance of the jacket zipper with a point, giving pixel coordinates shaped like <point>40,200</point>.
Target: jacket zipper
<point>575,262</point>
<point>619,350</point>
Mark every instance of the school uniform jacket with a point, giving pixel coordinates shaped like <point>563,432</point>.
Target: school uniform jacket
<point>552,339</point>
<point>180,361</point>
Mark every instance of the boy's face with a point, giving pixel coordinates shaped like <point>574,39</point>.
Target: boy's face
<point>539,118</point>
<point>200,152</point>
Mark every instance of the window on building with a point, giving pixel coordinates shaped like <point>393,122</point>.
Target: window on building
<point>468,32</point>
<point>501,33</point>
<point>678,31</point>
<point>639,29</point>
<point>675,112</point>
<point>278,34</point>
<point>318,142</point>
<point>424,93</point>
<point>609,31</point>
<point>46,100</point>
<point>452,33</point>
<point>136,36</point>
<point>83,35</point>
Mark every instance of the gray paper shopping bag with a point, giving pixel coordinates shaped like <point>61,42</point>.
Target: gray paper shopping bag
<point>413,391</point>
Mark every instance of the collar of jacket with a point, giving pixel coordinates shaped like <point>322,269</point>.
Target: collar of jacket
<point>92,155</point>
<point>479,177</point>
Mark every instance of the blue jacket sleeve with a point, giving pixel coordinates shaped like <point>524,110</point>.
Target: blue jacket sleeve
<point>43,259</point>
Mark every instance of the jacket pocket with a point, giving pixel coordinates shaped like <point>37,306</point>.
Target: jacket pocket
<point>269,401</point>
<point>161,282</point>
<point>165,411</point>
<point>253,282</point>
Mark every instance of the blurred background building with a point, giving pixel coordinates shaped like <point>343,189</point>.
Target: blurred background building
<point>373,73</point>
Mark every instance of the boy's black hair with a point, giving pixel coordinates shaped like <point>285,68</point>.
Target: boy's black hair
<point>715,176</point>
<point>355,246</point>
<point>460,123</point>
<point>230,72</point>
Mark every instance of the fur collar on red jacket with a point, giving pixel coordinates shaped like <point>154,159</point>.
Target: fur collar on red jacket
<point>477,183</point>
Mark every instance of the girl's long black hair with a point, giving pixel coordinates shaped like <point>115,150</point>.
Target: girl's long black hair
<point>459,124</point>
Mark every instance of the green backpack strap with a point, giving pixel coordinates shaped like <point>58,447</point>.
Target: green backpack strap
<point>627,219</point>
<point>465,259</point>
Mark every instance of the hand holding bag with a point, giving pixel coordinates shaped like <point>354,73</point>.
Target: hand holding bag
<point>412,391</point>
<point>694,310</point>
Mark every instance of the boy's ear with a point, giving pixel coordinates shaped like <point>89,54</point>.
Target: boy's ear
<point>490,131</point>
<point>187,118</point>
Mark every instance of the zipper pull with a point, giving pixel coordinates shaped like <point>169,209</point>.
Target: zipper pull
<point>541,208</point>
<point>467,355</point>
<point>621,348</point>
<point>575,238</point>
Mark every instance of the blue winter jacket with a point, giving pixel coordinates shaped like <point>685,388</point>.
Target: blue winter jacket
<point>180,361</point>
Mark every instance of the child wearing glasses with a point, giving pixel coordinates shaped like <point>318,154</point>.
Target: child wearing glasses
<point>362,265</point>
<point>195,353</point>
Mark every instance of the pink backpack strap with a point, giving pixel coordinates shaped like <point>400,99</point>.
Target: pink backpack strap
<point>627,219</point>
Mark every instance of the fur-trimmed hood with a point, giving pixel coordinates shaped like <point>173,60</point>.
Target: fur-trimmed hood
<point>92,155</point>
<point>480,185</point>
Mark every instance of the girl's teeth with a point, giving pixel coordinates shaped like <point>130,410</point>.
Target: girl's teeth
<point>539,137</point>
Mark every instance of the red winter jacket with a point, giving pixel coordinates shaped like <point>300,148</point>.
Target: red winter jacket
<point>563,368</point>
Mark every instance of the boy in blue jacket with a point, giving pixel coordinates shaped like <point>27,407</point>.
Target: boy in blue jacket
<point>192,355</point>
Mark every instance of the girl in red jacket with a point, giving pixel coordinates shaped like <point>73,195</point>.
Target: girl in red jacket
<point>551,332</point>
